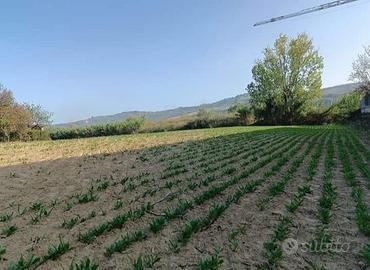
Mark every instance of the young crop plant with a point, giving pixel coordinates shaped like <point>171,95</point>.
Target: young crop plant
<point>157,224</point>
<point>169,184</point>
<point>116,222</point>
<point>55,251</point>
<point>298,197</point>
<point>147,261</point>
<point>41,211</point>
<point>30,262</point>
<point>124,242</point>
<point>282,229</point>
<point>2,252</point>
<point>9,230</point>
<point>21,211</point>
<point>138,264</point>
<point>69,205</point>
<point>273,253</point>
<point>86,264</point>
<point>214,262</point>
<point>86,197</point>
<point>229,171</point>
<point>118,204</point>
<point>91,215</point>
<point>6,216</point>
<point>70,223</point>
<point>102,184</point>
<point>365,254</point>
<point>36,206</point>
<point>233,237</point>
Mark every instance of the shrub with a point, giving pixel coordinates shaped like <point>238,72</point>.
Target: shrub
<point>127,126</point>
<point>206,119</point>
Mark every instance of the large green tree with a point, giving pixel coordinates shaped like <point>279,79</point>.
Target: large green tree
<point>287,80</point>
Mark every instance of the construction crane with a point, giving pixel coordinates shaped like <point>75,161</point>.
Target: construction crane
<point>305,11</point>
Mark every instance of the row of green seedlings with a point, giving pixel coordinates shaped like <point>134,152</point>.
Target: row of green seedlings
<point>118,221</point>
<point>247,157</point>
<point>39,209</point>
<point>237,144</point>
<point>327,199</point>
<point>155,151</point>
<point>101,185</point>
<point>227,158</point>
<point>71,222</point>
<point>198,224</point>
<point>94,232</point>
<point>129,183</point>
<point>44,211</point>
<point>272,250</point>
<point>212,262</point>
<point>359,146</point>
<point>37,260</point>
<point>278,187</point>
<point>158,223</point>
<point>215,261</point>
<point>81,198</point>
<point>360,163</point>
<point>213,145</point>
<point>176,168</point>
<point>233,157</point>
<point>32,261</point>
<point>362,214</point>
<point>8,230</point>
<point>202,148</point>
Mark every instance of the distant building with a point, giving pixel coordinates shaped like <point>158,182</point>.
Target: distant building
<point>365,104</point>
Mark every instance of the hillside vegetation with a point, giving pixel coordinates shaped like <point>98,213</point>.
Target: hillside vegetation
<point>330,95</point>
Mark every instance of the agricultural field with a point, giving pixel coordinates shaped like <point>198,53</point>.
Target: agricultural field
<point>225,198</point>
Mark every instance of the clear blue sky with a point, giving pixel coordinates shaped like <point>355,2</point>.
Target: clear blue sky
<point>83,58</point>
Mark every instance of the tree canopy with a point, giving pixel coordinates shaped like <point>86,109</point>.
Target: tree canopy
<point>17,120</point>
<point>361,71</point>
<point>286,81</point>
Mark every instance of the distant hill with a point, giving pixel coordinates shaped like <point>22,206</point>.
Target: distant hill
<point>330,94</point>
